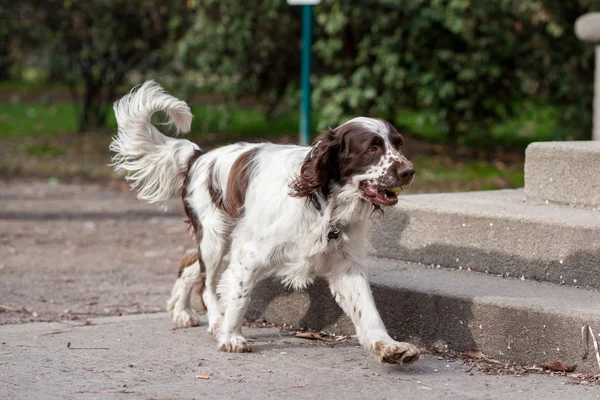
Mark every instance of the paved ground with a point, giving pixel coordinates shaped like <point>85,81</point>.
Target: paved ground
<point>141,356</point>
<point>71,253</point>
<point>77,251</point>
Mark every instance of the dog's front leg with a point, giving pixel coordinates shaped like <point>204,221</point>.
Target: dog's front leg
<point>353,293</point>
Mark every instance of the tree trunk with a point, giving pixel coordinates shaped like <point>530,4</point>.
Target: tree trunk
<point>90,101</point>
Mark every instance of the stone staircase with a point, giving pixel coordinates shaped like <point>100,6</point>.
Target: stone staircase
<point>512,273</point>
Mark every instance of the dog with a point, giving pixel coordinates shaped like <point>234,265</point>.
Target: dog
<point>259,210</point>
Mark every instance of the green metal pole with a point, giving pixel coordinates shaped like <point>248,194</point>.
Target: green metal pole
<point>305,122</point>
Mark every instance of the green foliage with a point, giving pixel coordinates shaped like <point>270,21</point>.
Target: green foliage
<point>244,47</point>
<point>467,64</point>
<point>94,44</point>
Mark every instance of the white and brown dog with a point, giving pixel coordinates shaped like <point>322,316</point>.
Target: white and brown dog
<point>290,212</point>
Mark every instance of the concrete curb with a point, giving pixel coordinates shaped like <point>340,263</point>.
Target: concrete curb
<point>524,322</point>
<point>563,172</point>
<point>494,231</point>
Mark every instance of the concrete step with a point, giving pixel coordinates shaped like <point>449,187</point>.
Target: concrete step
<point>563,172</point>
<point>525,322</point>
<point>495,231</point>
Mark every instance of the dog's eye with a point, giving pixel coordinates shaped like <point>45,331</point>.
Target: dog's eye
<point>373,149</point>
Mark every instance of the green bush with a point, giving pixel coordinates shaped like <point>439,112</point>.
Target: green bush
<point>468,64</point>
<point>92,45</point>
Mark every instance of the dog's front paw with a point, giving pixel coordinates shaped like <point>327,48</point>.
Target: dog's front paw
<point>234,344</point>
<point>396,353</point>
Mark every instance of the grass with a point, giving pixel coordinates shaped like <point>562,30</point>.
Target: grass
<point>48,120</point>
<point>240,122</point>
<point>534,122</point>
<point>437,174</point>
<point>42,134</point>
<point>36,119</point>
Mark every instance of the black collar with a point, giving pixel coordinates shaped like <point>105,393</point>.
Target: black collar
<point>314,199</point>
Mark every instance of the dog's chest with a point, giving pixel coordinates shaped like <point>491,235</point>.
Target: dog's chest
<point>318,257</point>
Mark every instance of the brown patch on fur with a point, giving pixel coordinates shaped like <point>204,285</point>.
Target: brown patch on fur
<point>359,314</point>
<point>337,155</point>
<point>321,168</point>
<point>382,353</point>
<point>186,261</point>
<point>216,194</point>
<point>198,288</point>
<point>238,182</point>
<point>194,226</point>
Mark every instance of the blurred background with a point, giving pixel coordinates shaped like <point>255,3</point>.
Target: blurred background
<point>470,83</point>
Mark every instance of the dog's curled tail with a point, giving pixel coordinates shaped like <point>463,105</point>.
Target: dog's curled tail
<point>152,161</point>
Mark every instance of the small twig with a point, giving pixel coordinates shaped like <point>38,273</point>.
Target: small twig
<point>124,391</point>
<point>123,305</point>
<point>85,322</point>
<point>9,382</point>
<point>53,333</point>
<point>4,307</point>
<point>409,380</point>
<point>85,348</point>
<point>89,348</point>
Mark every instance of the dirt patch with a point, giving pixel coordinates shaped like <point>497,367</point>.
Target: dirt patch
<point>74,251</point>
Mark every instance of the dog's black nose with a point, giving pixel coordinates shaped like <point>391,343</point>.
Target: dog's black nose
<point>407,174</point>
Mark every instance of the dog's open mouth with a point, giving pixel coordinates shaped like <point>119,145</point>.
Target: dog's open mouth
<point>379,195</point>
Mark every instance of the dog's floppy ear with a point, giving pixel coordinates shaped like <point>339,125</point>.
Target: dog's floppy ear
<point>321,167</point>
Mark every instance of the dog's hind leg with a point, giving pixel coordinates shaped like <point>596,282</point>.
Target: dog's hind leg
<point>190,277</point>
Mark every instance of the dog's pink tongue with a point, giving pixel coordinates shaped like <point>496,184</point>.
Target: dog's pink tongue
<point>371,191</point>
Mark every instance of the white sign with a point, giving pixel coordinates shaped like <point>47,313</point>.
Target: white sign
<point>303,2</point>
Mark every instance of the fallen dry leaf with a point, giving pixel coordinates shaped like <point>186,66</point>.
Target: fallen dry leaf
<point>315,336</point>
<point>476,354</point>
<point>312,335</point>
<point>557,366</point>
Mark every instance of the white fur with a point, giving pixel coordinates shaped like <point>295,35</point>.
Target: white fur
<point>153,161</point>
<point>277,236</point>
